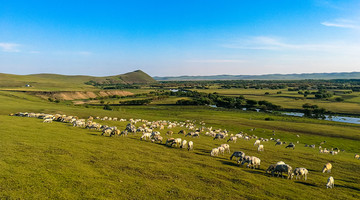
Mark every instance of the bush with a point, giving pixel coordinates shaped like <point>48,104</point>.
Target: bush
<point>269,119</point>
<point>339,99</point>
<point>107,107</point>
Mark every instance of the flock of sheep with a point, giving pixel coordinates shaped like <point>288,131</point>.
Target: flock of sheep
<point>147,128</point>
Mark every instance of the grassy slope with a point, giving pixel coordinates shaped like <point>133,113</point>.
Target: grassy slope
<point>56,82</point>
<point>59,161</point>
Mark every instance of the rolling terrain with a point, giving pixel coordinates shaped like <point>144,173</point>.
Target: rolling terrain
<point>59,161</point>
<point>56,82</point>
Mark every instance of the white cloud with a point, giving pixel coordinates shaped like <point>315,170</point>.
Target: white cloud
<point>342,23</point>
<point>277,44</point>
<point>9,47</point>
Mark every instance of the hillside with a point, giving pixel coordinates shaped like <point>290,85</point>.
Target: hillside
<point>340,75</point>
<point>137,76</point>
<point>57,82</point>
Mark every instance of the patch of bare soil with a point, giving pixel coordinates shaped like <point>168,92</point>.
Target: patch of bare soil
<point>72,95</point>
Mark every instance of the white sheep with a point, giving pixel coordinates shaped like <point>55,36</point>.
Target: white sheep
<point>330,182</point>
<point>177,142</point>
<point>327,168</point>
<point>190,145</point>
<point>183,144</point>
<point>232,139</point>
<point>261,148</point>
<point>255,162</point>
<point>214,152</point>
<point>47,121</point>
<point>226,147</point>
<point>257,142</point>
<point>301,172</point>
<point>145,136</point>
<point>221,150</point>
<point>357,156</point>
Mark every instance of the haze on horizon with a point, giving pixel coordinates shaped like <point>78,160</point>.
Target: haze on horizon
<point>168,38</point>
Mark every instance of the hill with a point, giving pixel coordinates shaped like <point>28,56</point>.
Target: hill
<point>340,75</point>
<point>58,82</point>
<point>134,77</point>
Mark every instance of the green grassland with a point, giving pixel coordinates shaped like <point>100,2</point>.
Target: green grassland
<point>57,82</point>
<point>58,161</point>
<point>293,100</point>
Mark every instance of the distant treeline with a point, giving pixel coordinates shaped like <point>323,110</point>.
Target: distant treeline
<point>294,85</point>
<point>201,98</point>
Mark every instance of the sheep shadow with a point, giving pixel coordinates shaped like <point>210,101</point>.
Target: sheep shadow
<point>348,187</point>
<point>305,183</point>
<point>227,162</point>
<point>256,171</point>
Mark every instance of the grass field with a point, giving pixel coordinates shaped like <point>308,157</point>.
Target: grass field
<point>293,100</point>
<point>58,161</point>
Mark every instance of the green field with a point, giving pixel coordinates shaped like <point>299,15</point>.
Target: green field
<point>58,161</point>
<point>293,100</point>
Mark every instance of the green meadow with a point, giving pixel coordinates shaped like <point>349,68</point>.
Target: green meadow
<point>59,161</point>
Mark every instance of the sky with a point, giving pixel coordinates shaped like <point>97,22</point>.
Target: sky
<point>179,37</point>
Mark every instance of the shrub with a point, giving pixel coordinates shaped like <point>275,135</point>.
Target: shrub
<point>339,99</point>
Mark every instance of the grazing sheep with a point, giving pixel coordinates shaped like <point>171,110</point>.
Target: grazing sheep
<point>47,121</point>
<point>239,155</point>
<point>145,135</point>
<point>261,148</point>
<point>190,146</point>
<point>183,143</point>
<point>246,159</point>
<point>291,145</point>
<point>158,138</point>
<point>107,131</point>
<point>124,133</point>
<point>257,142</point>
<point>232,139</point>
<point>357,156</point>
<point>255,162</point>
<point>279,143</point>
<point>330,182</point>
<point>169,141</point>
<point>270,168</point>
<point>214,152</point>
<point>327,168</point>
<point>116,132</point>
<point>183,132</point>
<point>221,150</point>
<point>219,136</point>
<point>301,172</point>
<point>177,142</point>
<point>226,147</point>
<point>283,168</point>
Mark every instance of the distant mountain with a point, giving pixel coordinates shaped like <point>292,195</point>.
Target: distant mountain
<point>339,75</point>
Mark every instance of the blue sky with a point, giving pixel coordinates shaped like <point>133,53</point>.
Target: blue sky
<point>171,38</point>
